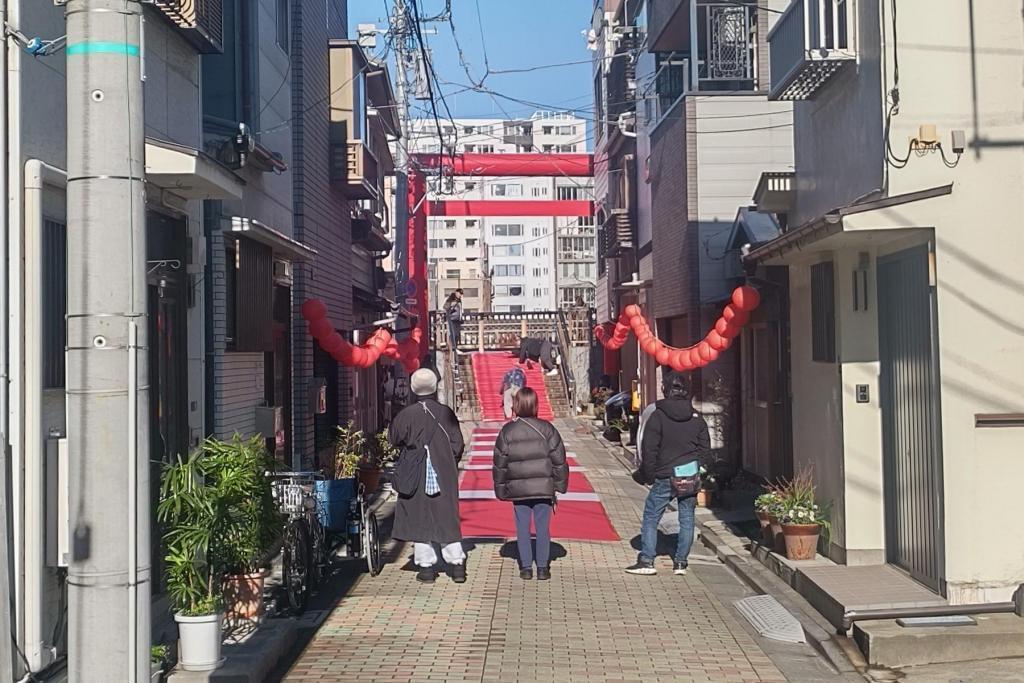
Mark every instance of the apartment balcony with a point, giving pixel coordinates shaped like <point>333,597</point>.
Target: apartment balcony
<point>518,134</point>
<point>584,256</point>
<point>616,233</point>
<point>775,192</point>
<point>358,167</point>
<point>200,21</point>
<point>368,231</point>
<point>811,43</point>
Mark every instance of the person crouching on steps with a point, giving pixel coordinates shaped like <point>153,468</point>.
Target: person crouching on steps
<point>529,469</point>
<point>428,436</point>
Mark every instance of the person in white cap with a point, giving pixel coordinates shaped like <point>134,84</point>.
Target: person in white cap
<point>430,444</point>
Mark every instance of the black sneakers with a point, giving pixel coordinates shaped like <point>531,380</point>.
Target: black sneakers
<point>642,568</point>
<point>543,574</point>
<point>679,568</point>
<point>458,573</point>
<point>426,575</point>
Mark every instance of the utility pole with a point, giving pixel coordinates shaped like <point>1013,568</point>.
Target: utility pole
<point>400,35</point>
<point>108,406</point>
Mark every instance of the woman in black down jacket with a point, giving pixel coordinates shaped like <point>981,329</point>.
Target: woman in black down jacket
<point>529,468</point>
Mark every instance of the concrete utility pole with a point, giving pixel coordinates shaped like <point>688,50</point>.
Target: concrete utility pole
<point>108,422</point>
<point>400,36</point>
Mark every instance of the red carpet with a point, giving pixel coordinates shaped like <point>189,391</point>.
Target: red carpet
<point>579,515</point>
<point>488,369</point>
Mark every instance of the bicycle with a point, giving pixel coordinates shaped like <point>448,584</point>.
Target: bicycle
<point>321,519</point>
<point>304,551</point>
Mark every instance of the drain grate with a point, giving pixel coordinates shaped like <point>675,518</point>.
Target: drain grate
<point>771,619</point>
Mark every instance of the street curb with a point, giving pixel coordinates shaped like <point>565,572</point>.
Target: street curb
<point>716,537</point>
<point>250,661</point>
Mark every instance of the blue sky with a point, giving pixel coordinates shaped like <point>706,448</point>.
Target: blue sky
<point>516,35</point>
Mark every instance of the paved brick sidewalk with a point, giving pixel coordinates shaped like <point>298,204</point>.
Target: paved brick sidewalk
<point>591,622</point>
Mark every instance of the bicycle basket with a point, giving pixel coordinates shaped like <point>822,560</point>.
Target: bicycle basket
<point>291,494</point>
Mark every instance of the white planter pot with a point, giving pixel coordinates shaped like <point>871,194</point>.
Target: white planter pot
<point>199,641</point>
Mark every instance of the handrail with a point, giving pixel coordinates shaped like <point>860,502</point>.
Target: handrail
<point>564,343</point>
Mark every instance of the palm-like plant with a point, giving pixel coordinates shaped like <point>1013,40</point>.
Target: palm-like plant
<point>218,508</point>
<point>349,450</point>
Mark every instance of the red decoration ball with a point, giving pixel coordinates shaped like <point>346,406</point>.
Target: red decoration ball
<point>695,359</point>
<point>662,356</point>
<point>704,350</point>
<point>313,309</point>
<point>650,346</point>
<point>637,322</point>
<point>632,311</point>
<point>729,313</point>
<point>746,298</point>
<point>715,340</point>
<point>332,342</point>
<point>320,328</point>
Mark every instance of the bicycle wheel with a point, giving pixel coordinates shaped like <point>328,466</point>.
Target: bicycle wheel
<point>317,552</point>
<point>371,541</point>
<point>295,565</point>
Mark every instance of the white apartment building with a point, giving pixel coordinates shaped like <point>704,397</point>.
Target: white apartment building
<point>533,263</point>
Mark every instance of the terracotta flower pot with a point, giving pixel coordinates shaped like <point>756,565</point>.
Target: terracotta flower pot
<point>243,596</point>
<point>764,519</point>
<point>778,543</point>
<point>370,479</point>
<point>801,540</point>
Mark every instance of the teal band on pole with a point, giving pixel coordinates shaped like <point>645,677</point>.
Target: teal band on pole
<point>103,48</point>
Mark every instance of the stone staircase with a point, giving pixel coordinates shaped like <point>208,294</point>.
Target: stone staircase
<point>555,386</point>
<point>465,385</point>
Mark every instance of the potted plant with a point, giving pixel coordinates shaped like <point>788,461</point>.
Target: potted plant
<point>252,524</point>
<point>597,398</point>
<point>708,487</point>
<point>801,518</point>
<point>158,661</point>
<point>378,453</point>
<point>764,504</point>
<point>616,428</point>
<point>339,489</point>
<point>193,510</point>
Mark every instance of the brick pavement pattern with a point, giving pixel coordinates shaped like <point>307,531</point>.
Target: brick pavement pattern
<point>591,622</point>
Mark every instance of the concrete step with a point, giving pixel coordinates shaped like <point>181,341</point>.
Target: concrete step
<point>887,644</point>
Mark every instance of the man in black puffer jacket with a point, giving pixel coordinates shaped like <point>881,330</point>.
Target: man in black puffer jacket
<point>674,436</point>
<point>529,469</point>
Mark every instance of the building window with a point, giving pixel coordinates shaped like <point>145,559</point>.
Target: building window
<point>468,130</point>
<point>452,274</point>
<point>823,313</point>
<point>249,300</point>
<point>507,250</point>
<point>55,302</point>
<point>469,187</point>
<point>486,149</point>
<point>449,244</point>
<point>282,24</point>
<point>515,290</point>
<point>670,83</point>
<point>507,230</point>
<point>449,224</point>
<point>546,130</point>
<point>536,272</point>
<point>508,270</point>
<point>471,292</point>
<point>567,130</point>
<point>506,190</point>
<point>567,193</point>
<point>518,308</point>
<point>472,242</point>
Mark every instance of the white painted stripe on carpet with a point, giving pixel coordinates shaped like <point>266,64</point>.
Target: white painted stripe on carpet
<point>562,497</point>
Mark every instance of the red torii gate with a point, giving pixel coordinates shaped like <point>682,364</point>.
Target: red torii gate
<point>492,165</point>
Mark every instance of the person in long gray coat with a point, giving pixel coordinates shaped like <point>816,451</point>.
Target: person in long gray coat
<point>431,521</point>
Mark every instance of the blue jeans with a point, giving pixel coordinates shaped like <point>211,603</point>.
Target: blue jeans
<point>540,512</point>
<point>454,337</point>
<point>657,500</point>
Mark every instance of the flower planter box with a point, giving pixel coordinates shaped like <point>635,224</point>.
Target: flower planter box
<point>801,540</point>
<point>334,496</point>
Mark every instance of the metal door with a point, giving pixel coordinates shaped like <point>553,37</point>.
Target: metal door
<point>912,445</point>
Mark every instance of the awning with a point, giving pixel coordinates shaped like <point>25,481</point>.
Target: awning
<point>862,225</point>
<point>189,173</point>
<point>284,247</point>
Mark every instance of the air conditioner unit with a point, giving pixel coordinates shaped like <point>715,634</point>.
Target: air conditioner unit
<point>56,504</point>
<point>283,271</point>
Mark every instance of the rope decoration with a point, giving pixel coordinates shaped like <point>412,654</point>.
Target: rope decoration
<point>380,343</point>
<point>734,316</point>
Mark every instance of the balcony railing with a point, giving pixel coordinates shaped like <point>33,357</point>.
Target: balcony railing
<point>810,44</point>
<point>201,21</point>
<point>355,163</point>
<point>577,256</point>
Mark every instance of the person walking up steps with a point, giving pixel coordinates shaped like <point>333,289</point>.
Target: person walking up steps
<point>675,443</point>
<point>511,382</point>
<point>529,469</point>
<point>430,445</point>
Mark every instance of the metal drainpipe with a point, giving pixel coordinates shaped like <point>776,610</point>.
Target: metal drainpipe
<point>1015,606</point>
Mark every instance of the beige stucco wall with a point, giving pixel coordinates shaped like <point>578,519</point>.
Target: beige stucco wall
<point>953,80</point>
